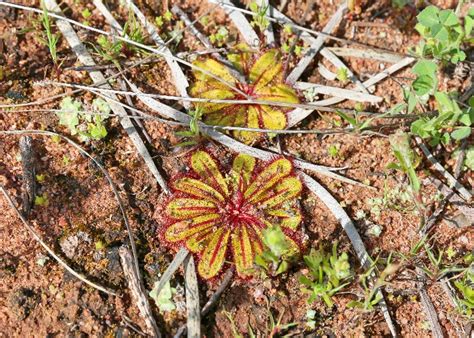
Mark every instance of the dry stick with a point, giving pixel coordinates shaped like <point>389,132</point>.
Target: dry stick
<point>239,20</point>
<point>84,56</point>
<point>147,136</point>
<point>342,93</point>
<point>452,182</point>
<point>126,40</point>
<point>145,116</point>
<point>452,197</point>
<point>297,115</point>
<point>313,106</point>
<point>366,54</point>
<point>180,80</point>
<point>212,300</point>
<point>316,44</point>
<point>97,77</point>
<point>206,43</point>
<point>429,308</point>
<point>282,20</point>
<point>138,291</point>
<point>192,298</point>
<point>28,164</point>
<point>50,251</point>
<point>171,269</point>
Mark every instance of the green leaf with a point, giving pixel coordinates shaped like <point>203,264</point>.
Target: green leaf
<point>164,300</point>
<point>425,67</point>
<point>423,84</point>
<point>469,159</point>
<point>429,16</point>
<point>468,24</point>
<point>461,133</point>
<point>448,18</point>
<point>439,32</point>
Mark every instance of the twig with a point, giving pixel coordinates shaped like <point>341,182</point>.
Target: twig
<point>316,45</point>
<point>212,300</point>
<point>97,77</point>
<point>50,251</point>
<point>192,298</point>
<point>139,123</point>
<point>29,172</point>
<point>320,105</point>
<point>453,183</point>
<point>126,40</point>
<point>326,73</point>
<point>430,311</point>
<point>297,115</point>
<point>171,269</point>
<point>180,80</point>
<point>366,54</point>
<point>240,22</point>
<point>342,93</point>
<point>138,291</point>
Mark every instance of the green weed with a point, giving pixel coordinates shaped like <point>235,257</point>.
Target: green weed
<point>330,273</point>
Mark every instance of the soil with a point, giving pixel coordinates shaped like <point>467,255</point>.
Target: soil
<point>83,224</point>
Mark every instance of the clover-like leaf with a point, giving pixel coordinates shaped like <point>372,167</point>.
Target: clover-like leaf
<point>264,81</point>
<point>221,215</point>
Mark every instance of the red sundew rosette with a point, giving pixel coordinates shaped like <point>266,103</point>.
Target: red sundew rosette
<point>221,218</point>
<point>264,76</point>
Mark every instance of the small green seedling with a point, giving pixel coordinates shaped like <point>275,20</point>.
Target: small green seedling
<point>49,38</point>
<point>87,126</point>
<point>372,296</point>
<point>192,136</point>
<point>342,74</point>
<point>164,300</point>
<point>407,159</point>
<point>329,274</point>
<point>443,34</point>
<point>465,286</point>
<point>451,123</point>
<point>42,200</point>
<point>278,254</point>
<point>259,20</point>
<point>220,37</point>
<point>111,50</point>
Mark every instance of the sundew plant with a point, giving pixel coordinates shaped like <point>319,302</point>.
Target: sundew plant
<point>220,215</point>
<point>262,79</point>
